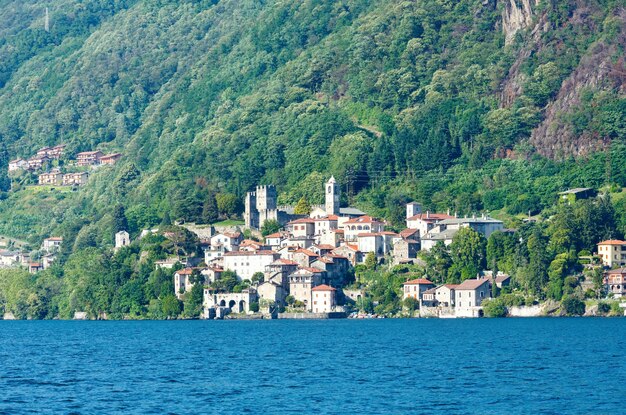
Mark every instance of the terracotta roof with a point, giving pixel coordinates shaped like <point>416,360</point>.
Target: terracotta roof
<point>368,234</point>
<point>305,252</point>
<point>250,253</point>
<point>285,262</point>
<point>422,281</point>
<point>247,242</point>
<point>612,242</point>
<point>303,220</point>
<point>185,271</point>
<point>110,156</point>
<point>337,230</point>
<point>311,269</point>
<point>323,287</point>
<point>471,284</point>
<point>325,246</point>
<point>327,218</point>
<point>617,271</point>
<point>275,235</point>
<point>363,219</point>
<point>388,233</point>
<point>451,286</point>
<point>429,217</point>
<point>231,234</point>
<point>54,238</point>
<point>326,260</point>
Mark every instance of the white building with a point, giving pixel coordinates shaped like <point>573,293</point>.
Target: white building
<point>363,224</point>
<point>122,239</point>
<point>302,282</point>
<point>52,244</point>
<point>469,296</point>
<point>415,288</point>
<point>323,298</point>
<point>235,302</point>
<point>229,240</point>
<point>245,264</point>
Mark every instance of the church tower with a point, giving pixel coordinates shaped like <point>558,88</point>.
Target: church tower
<point>333,197</point>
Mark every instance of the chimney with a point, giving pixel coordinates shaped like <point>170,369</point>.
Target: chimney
<point>427,214</point>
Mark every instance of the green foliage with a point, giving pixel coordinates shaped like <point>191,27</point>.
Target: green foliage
<point>410,303</point>
<point>572,306</point>
<point>371,261</point>
<point>494,307</point>
<point>254,307</point>
<point>269,227</point>
<point>468,251</point>
<point>303,207</point>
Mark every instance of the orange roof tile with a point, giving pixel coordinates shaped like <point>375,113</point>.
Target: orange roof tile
<point>422,281</point>
<point>323,287</point>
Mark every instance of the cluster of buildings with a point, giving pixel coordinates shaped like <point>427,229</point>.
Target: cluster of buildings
<point>55,177</point>
<point>453,300</point>
<point>612,254</point>
<point>308,261</point>
<point>18,259</point>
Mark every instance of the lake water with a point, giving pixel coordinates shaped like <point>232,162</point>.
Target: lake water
<point>481,366</point>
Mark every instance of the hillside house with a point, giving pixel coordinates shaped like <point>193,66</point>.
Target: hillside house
<point>425,222</point>
<point>51,244</point>
<point>35,267</point>
<point>229,240</point>
<point>272,291</point>
<point>579,193</point>
<point>405,250</point>
<point>279,272</point>
<point>52,178</point>
<point>351,252</point>
<point>110,159</point>
<point>302,228</point>
<point>88,158</point>
<point>615,282</point>
<point>323,298</point>
<point>75,179</point>
<point>37,162</point>
<point>182,281</point>
<point>612,253</point>
<point>18,164</point>
<point>304,257</point>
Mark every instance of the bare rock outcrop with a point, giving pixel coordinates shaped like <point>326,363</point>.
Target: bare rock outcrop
<point>517,15</point>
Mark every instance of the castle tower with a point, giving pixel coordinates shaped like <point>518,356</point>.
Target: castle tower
<point>413,209</point>
<point>122,239</point>
<point>333,197</point>
<point>251,213</point>
<point>266,198</point>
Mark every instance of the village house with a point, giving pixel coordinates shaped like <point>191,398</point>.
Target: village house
<point>333,237</point>
<point>37,162</point>
<point>445,230</point>
<point>169,263</point>
<point>363,224</point>
<point>51,244</point>
<point>501,280</point>
<point>425,222</point>
<point>302,242</point>
<point>234,302</point>
<point>276,240</point>
<point>415,288</point>
<point>325,224</point>
<point>279,272</point>
<point>615,282</point>
<point>182,281</point>
<point>110,159</point>
<point>47,260</point>
<point>53,178</point>
<point>246,264</point>
<point>35,267</point>
<point>9,259</point>
<point>371,242</point>
<point>250,245</point>
<point>428,298</point>
<point>75,179</point>
<point>323,298</point>
<point>351,252</point>
<point>88,158</point>
<point>229,240</point>
<point>272,292</point>
<point>405,250</point>
<point>18,164</point>
<point>302,228</point>
<point>445,294</point>
<point>579,193</point>
<point>321,249</point>
<point>469,296</point>
<point>212,274</point>
<point>304,257</point>
<point>214,253</point>
<point>612,253</point>
<point>52,152</point>
<point>336,267</point>
<point>302,282</point>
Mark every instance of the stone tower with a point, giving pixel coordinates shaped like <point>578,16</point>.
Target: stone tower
<point>413,209</point>
<point>251,214</point>
<point>333,197</point>
<point>122,239</point>
<point>266,198</point>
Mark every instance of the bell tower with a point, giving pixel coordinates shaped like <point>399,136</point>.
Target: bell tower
<point>333,197</point>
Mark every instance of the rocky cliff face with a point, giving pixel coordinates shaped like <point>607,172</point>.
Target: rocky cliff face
<point>517,15</point>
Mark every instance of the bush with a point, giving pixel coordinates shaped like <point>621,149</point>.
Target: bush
<point>411,303</point>
<point>254,307</point>
<point>573,306</point>
<point>604,308</point>
<point>494,308</point>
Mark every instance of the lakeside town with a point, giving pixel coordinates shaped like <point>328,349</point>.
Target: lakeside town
<point>307,268</point>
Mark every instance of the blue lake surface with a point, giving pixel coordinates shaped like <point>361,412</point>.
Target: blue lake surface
<point>427,366</point>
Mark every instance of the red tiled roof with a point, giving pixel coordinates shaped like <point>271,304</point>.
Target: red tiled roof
<point>185,271</point>
<point>305,252</point>
<point>275,235</point>
<point>303,220</point>
<point>232,234</point>
<point>54,238</point>
<point>323,287</point>
<point>431,216</point>
<point>612,242</point>
<point>325,246</point>
<point>286,262</point>
<point>250,253</point>
<point>311,269</point>
<point>363,219</point>
<point>422,281</point>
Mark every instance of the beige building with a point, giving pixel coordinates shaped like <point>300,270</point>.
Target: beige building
<point>323,298</point>
<point>302,282</point>
<point>18,164</point>
<point>302,228</point>
<point>75,179</point>
<point>363,224</point>
<point>415,288</point>
<point>110,158</point>
<point>425,222</point>
<point>612,253</point>
<point>53,178</point>
<point>182,281</point>
<point>51,244</point>
<point>469,296</point>
<point>235,302</point>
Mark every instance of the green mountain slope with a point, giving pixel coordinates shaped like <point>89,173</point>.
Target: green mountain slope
<point>396,99</point>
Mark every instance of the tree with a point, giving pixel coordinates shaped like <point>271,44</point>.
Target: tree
<point>494,307</point>
<point>170,306</point>
<point>210,212</point>
<point>468,250</point>
<point>228,204</point>
<point>410,303</point>
<point>254,307</point>
<point>303,207</point>
<point>120,222</point>
<point>258,277</point>
<point>193,301</point>
<point>370,261</point>
<point>270,226</point>
<point>572,306</point>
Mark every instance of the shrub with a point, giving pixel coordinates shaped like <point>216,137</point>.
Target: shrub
<point>573,306</point>
<point>494,308</point>
<point>254,307</point>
